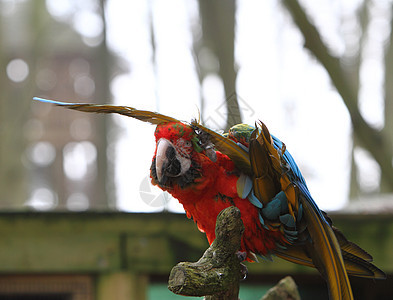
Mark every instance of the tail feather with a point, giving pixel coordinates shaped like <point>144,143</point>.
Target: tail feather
<point>359,267</point>
<point>350,247</point>
<point>355,265</point>
<point>326,254</point>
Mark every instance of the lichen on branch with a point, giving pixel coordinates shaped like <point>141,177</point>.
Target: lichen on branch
<point>217,273</point>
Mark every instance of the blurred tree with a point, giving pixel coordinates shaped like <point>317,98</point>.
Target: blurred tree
<point>218,41</point>
<point>344,73</point>
<point>102,71</point>
<point>13,109</point>
<point>387,130</point>
<point>60,63</point>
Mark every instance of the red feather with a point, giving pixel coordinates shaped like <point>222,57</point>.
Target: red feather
<point>202,203</point>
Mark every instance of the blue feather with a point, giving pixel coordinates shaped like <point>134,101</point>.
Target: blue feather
<point>52,101</point>
<point>287,220</point>
<point>291,238</point>
<point>243,186</point>
<point>242,146</point>
<point>261,219</point>
<point>254,200</point>
<point>291,232</point>
<point>300,212</point>
<point>277,206</point>
<point>296,177</point>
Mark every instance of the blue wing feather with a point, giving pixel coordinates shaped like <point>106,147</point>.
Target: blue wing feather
<point>296,176</point>
<point>53,101</point>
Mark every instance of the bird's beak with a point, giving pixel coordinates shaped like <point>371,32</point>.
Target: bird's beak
<point>168,161</point>
<point>161,158</point>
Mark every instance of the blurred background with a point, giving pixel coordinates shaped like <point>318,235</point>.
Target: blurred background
<point>319,74</point>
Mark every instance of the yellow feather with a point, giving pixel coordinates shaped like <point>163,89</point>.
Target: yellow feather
<point>327,254</point>
<point>228,147</point>
<point>142,115</point>
<point>295,254</point>
<point>265,182</point>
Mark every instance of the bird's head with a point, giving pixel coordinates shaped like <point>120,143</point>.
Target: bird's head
<point>177,156</point>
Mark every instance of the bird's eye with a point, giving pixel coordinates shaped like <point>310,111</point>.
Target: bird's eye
<point>184,143</point>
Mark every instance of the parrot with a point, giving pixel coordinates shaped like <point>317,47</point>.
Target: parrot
<point>250,168</point>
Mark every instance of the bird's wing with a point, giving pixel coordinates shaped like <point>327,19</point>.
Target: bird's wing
<point>226,146</point>
<point>319,226</point>
<point>142,115</point>
<point>279,191</point>
<point>297,211</point>
<point>233,150</point>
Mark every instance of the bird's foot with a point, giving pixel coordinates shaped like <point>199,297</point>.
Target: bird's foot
<point>242,255</point>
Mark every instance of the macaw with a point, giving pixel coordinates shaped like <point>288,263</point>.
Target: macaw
<point>251,169</point>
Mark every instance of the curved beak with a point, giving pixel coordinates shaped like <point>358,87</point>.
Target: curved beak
<point>168,160</point>
<point>161,159</point>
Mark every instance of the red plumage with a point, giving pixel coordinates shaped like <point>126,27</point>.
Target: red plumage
<point>214,190</point>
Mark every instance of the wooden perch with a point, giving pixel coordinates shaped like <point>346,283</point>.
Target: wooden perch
<point>217,273</point>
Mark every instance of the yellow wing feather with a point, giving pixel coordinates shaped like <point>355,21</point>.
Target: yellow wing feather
<point>228,147</point>
<point>326,254</point>
<point>142,115</point>
<point>325,250</point>
<point>265,183</point>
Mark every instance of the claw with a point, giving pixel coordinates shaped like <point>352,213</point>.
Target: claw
<point>243,272</point>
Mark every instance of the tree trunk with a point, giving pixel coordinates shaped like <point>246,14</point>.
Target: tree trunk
<point>218,35</point>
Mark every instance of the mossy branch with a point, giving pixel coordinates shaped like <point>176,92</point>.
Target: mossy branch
<point>217,273</point>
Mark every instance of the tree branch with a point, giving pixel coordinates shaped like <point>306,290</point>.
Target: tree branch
<point>370,138</point>
<point>218,272</point>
